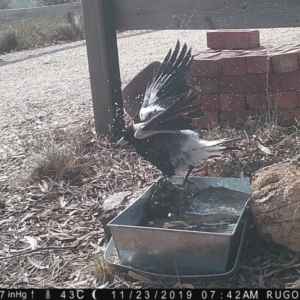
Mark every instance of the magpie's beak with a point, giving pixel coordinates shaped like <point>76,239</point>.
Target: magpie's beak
<point>121,142</point>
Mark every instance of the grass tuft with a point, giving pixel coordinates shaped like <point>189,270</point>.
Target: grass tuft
<point>8,41</point>
<point>4,4</point>
<point>102,270</point>
<point>58,155</point>
<point>64,32</point>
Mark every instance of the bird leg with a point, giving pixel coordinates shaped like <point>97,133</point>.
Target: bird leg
<point>185,180</point>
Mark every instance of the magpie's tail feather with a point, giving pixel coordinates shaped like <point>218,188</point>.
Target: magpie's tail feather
<point>206,149</point>
<point>220,141</point>
<point>231,148</point>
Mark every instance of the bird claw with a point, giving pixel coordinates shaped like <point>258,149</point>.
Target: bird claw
<point>163,178</point>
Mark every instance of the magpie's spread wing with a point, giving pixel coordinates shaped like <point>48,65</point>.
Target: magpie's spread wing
<point>168,82</point>
<point>178,116</point>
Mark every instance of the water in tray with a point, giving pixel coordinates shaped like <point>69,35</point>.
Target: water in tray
<point>213,209</point>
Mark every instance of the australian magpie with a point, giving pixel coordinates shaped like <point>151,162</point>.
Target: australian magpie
<point>164,134</point>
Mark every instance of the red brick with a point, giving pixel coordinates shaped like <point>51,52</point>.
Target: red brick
<point>235,117</point>
<point>259,101</point>
<point>244,83</point>
<point>232,39</point>
<point>287,117</point>
<point>285,62</point>
<point>234,65</point>
<point>205,85</point>
<point>206,68</point>
<point>210,102</point>
<point>285,81</point>
<point>208,118</point>
<point>258,64</point>
<point>232,102</point>
<point>285,100</point>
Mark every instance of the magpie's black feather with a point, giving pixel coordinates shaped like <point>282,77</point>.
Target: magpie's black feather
<point>154,149</point>
<point>167,82</point>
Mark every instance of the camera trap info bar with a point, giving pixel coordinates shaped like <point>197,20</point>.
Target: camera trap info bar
<point>134,294</point>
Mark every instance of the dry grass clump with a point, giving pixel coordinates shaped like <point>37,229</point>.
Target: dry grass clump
<point>102,270</point>
<point>8,41</point>
<point>4,4</point>
<point>263,143</point>
<point>282,141</point>
<point>59,155</point>
<point>64,32</point>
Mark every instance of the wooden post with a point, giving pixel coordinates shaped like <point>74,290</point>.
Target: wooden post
<point>101,42</point>
<point>70,16</point>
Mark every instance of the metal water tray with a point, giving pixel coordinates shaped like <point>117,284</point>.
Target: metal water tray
<point>172,251</point>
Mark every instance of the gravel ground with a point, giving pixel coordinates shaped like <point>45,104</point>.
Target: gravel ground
<point>48,88</point>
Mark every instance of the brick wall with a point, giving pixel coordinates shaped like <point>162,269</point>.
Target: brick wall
<point>239,78</point>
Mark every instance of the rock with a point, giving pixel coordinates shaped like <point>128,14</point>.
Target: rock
<point>275,203</point>
<point>113,205</point>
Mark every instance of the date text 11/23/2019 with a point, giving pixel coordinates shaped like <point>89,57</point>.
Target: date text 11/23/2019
<point>222,294</point>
